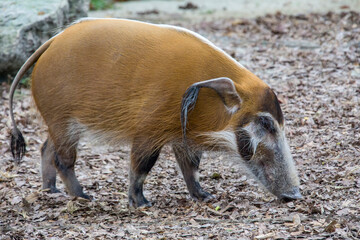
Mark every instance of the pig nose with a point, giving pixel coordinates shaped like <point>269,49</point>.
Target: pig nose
<point>292,195</point>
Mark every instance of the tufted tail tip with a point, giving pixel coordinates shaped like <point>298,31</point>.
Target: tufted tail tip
<point>17,145</point>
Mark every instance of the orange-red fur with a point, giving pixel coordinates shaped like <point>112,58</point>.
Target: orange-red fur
<point>125,80</point>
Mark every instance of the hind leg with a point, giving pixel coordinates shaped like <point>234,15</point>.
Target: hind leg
<point>64,163</point>
<point>63,158</point>
<point>189,162</point>
<point>141,164</point>
<point>48,170</point>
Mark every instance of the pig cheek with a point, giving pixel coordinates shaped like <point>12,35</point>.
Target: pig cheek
<point>267,164</point>
<point>269,173</point>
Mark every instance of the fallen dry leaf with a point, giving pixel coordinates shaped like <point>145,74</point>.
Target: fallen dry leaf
<point>311,61</point>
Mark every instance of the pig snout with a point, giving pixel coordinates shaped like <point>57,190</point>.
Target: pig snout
<point>292,195</point>
<point>275,169</point>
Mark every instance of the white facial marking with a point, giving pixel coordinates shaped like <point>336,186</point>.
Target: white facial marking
<point>288,158</point>
<point>251,129</point>
<point>271,142</point>
<point>268,140</point>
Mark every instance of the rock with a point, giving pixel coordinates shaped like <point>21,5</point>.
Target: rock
<point>25,25</point>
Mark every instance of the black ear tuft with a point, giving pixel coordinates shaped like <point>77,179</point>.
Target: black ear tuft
<point>187,104</point>
<point>17,145</point>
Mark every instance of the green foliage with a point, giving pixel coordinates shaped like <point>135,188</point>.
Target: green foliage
<point>215,176</point>
<point>25,82</point>
<point>101,4</point>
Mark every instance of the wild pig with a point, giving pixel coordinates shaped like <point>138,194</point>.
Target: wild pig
<point>152,85</point>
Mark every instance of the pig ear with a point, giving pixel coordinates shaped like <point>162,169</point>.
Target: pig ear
<point>223,86</point>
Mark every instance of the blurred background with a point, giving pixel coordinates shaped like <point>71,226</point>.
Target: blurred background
<point>195,10</point>
<point>25,25</point>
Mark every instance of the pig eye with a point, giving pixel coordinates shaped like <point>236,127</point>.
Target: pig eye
<point>267,123</point>
<point>244,145</point>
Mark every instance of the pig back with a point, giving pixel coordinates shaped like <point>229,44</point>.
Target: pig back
<point>122,76</point>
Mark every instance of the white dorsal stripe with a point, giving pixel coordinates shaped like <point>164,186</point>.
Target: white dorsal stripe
<point>176,28</point>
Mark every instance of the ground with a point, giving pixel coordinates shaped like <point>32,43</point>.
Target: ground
<point>312,63</point>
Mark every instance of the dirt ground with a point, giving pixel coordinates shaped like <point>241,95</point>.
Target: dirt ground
<point>198,10</point>
<point>312,63</point>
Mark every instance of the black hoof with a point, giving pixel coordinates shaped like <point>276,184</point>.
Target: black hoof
<point>202,196</point>
<point>51,190</point>
<point>140,203</point>
<point>85,196</point>
<point>293,194</point>
<point>80,194</point>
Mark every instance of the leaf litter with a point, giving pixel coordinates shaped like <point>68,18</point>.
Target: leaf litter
<point>313,64</point>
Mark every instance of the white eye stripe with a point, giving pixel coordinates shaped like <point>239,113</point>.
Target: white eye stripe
<point>257,134</point>
<point>251,129</point>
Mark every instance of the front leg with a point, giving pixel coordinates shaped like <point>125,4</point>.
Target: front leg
<point>141,163</point>
<point>189,162</point>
